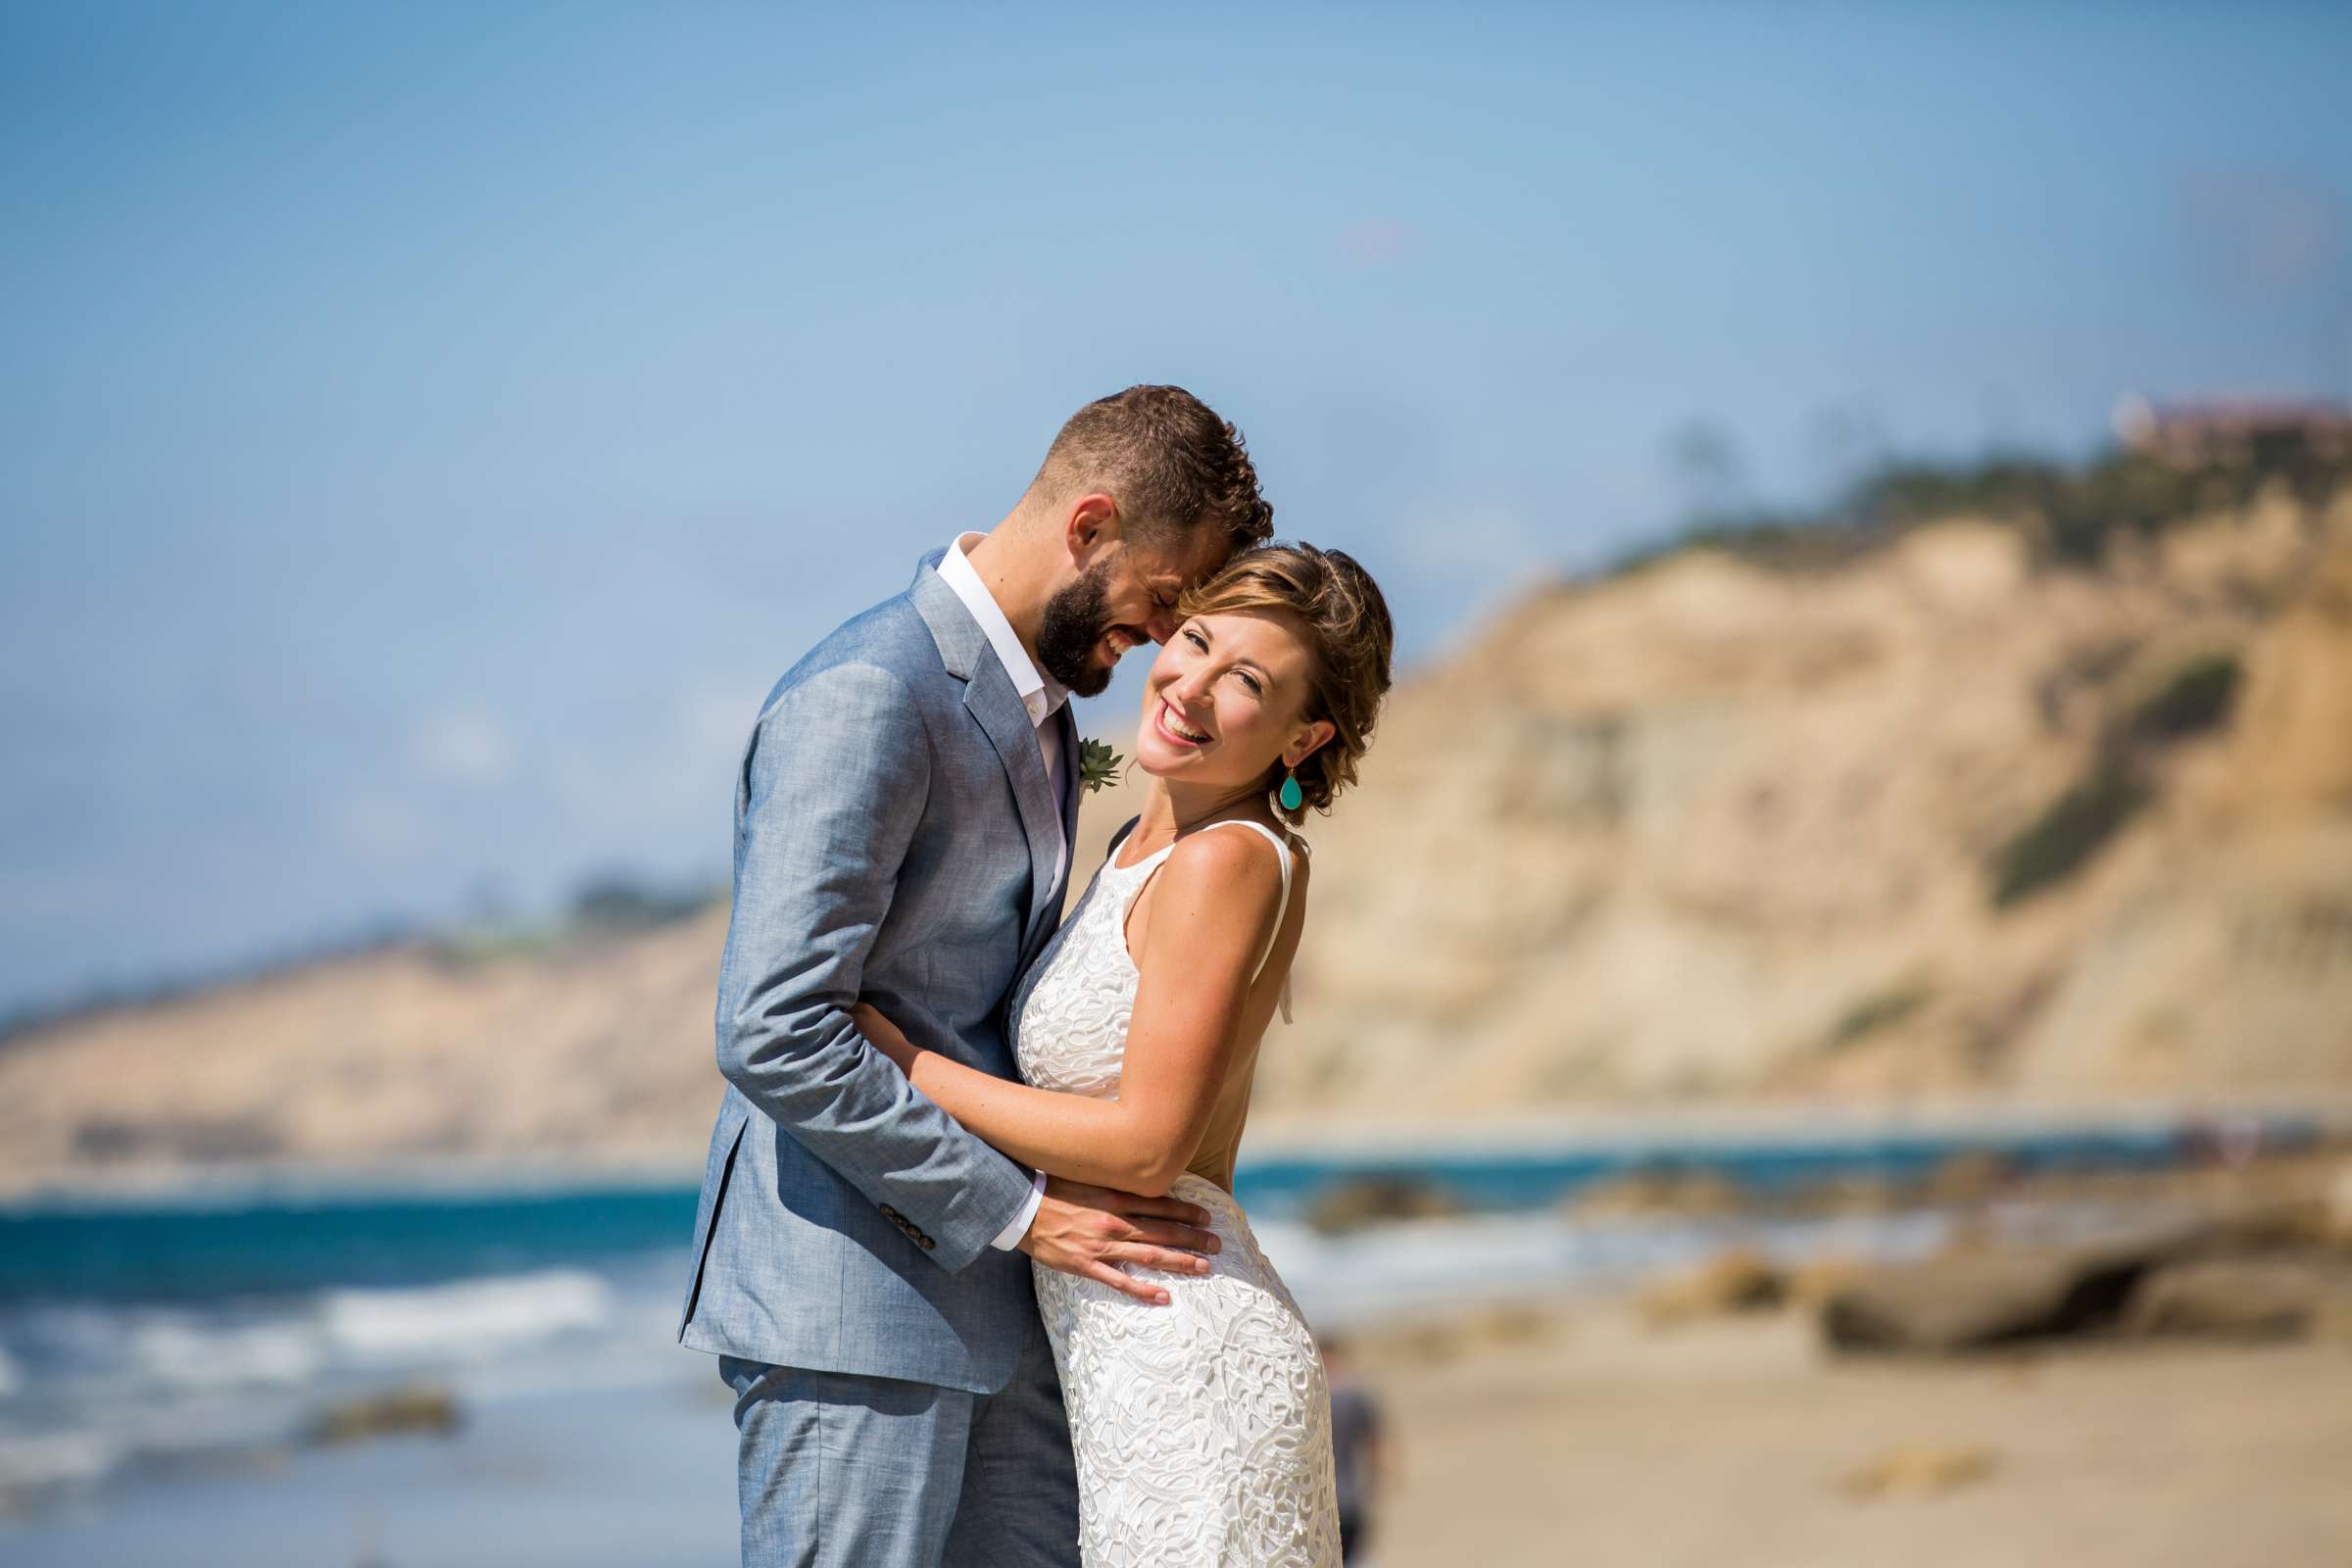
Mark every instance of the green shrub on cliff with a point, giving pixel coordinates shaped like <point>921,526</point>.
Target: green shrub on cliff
<point>2069,831</point>
<point>2071,512</point>
<point>2196,697</point>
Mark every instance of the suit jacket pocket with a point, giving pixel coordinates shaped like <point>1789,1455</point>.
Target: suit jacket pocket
<point>716,1198</point>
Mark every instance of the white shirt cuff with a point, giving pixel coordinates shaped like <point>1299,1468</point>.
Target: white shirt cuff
<point>1010,1236</point>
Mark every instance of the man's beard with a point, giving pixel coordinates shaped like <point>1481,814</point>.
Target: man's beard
<point>1077,618</point>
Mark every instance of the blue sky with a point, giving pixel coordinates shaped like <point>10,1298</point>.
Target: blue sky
<point>429,430</point>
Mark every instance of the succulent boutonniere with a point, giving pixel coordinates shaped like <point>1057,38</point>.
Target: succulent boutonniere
<point>1098,765</point>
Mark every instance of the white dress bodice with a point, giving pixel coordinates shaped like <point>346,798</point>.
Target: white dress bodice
<point>1072,1009</point>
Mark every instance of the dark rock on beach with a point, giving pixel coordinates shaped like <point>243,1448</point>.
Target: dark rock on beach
<point>1371,1199</point>
<point>2251,1300</point>
<point>2273,1265</point>
<point>417,1408</point>
<point>1738,1281</point>
<point>1975,1300</point>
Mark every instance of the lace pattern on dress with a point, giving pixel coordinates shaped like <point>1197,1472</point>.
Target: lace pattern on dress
<point>1201,1428</point>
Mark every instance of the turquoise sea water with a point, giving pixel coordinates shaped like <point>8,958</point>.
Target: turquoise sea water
<point>197,1251</point>
<point>192,1249</point>
<point>145,1342</point>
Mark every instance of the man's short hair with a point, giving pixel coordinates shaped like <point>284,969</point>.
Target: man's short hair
<point>1167,459</point>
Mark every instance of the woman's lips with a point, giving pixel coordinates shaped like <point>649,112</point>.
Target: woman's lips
<point>1166,718</point>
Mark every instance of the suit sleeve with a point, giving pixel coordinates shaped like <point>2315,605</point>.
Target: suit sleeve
<point>833,784</point>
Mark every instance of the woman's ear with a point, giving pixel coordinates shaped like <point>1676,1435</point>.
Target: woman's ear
<point>1309,739</point>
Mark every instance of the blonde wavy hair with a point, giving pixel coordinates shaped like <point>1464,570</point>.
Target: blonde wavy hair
<point>1339,611</point>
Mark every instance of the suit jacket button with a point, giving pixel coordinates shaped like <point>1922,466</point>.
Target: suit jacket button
<point>924,1241</point>
<point>891,1215</point>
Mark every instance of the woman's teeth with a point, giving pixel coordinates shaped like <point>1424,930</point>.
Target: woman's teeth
<point>1177,727</point>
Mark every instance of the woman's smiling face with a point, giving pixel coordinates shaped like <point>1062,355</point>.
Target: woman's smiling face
<point>1226,699</point>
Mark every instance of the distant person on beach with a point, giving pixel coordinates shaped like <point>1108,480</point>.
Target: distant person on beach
<point>903,815</point>
<point>1359,1451</point>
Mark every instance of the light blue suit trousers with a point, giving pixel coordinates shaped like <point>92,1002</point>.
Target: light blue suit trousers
<point>895,841</point>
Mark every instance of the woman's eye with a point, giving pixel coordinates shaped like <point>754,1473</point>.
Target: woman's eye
<point>1250,681</point>
<point>1197,641</point>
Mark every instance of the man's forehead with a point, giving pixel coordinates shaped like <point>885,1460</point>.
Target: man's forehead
<point>1202,554</point>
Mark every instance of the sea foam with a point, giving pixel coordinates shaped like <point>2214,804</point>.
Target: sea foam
<point>197,1355</point>
<point>31,1466</point>
<point>469,1320</point>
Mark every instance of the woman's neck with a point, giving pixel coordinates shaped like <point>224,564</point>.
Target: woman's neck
<point>1170,809</point>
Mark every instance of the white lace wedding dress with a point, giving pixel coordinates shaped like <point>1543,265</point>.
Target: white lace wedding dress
<point>1202,1428</point>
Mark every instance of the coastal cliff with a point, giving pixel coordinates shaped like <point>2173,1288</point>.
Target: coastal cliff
<point>1933,815</point>
<point>1932,820</point>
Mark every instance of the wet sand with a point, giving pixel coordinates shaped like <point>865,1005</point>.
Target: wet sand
<point>610,1478</point>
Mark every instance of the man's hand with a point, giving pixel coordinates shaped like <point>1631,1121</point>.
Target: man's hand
<point>1089,1231</point>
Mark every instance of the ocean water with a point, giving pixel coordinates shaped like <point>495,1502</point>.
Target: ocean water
<point>145,1347</point>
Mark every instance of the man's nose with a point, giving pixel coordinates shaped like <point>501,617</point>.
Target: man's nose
<point>1160,625</point>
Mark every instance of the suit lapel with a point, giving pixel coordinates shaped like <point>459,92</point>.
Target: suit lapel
<point>1070,794</point>
<point>1051,917</point>
<point>988,697</point>
<point>991,698</point>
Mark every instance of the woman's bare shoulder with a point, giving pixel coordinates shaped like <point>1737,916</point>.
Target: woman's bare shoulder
<point>1222,870</point>
<point>1219,856</point>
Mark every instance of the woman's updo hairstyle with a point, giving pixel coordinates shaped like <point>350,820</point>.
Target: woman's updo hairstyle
<point>1337,609</point>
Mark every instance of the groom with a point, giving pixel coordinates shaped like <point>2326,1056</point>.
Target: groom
<point>903,822</point>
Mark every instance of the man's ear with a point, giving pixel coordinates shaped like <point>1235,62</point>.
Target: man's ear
<point>1093,518</point>
<point>1310,739</point>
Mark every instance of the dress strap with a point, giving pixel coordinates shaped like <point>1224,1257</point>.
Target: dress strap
<point>1282,850</point>
<point>1120,837</point>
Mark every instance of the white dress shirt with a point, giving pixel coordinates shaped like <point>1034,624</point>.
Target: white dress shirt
<point>1041,695</point>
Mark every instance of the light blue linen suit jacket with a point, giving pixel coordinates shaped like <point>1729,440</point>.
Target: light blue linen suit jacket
<point>894,841</point>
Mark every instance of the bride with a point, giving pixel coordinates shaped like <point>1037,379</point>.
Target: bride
<point>1199,1416</point>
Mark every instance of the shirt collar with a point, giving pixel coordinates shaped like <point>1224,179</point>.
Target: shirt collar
<point>1040,693</point>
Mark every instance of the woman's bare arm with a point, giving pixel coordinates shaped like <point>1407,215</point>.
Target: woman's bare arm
<point>1211,906</point>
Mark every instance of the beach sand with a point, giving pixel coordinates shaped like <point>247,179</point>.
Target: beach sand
<point>1573,1433</point>
<point>1583,1435</point>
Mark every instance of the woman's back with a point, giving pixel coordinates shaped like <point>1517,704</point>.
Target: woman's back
<point>1073,1010</point>
<point>1221,1143</point>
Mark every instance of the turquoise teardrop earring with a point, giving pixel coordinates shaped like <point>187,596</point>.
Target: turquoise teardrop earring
<point>1290,796</point>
